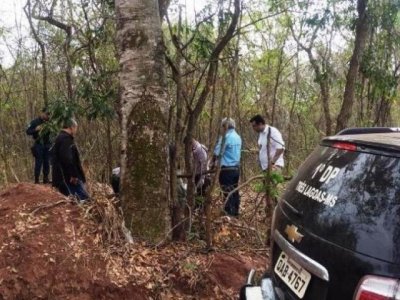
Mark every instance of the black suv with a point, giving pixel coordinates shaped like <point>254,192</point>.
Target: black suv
<point>336,229</point>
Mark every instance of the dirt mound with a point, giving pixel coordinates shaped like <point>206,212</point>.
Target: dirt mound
<point>47,250</point>
<point>237,266</point>
<point>50,249</point>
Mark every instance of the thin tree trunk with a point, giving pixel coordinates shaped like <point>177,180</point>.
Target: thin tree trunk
<point>276,84</point>
<point>194,113</point>
<point>28,13</point>
<point>360,121</point>
<point>290,130</point>
<point>211,136</point>
<point>144,109</point>
<point>68,71</point>
<point>351,79</point>
<point>323,82</point>
<point>109,149</point>
<point>179,232</point>
<point>66,46</point>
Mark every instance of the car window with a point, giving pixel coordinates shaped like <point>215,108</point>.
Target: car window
<point>349,198</point>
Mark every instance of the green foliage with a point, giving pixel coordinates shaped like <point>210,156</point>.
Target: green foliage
<point>98,97</point>
<point>60,111</point>
<point>269,184</point>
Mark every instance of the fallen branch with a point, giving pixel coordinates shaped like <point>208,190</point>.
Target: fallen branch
<point>191,175</point>
<point>169,232</point>
<point>243,185</point>
<point>40,207</point>
<point>286,178</point>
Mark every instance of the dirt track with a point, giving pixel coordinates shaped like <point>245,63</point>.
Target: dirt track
<point>48,250</point>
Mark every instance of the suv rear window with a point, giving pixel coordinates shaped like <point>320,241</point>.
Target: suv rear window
<point>351,199</point>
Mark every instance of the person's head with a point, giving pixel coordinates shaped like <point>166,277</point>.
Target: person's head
<point>258,123</point>
<point>70,126</point>
<point>45,115</point>
<point>228,123</point>
<point>190,140</point>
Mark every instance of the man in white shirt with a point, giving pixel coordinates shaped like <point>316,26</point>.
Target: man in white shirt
<point>270,143</point>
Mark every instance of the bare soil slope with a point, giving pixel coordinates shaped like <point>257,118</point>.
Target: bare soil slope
<point>49,249</point>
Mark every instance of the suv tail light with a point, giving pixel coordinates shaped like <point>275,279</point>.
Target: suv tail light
<point>378,288</point>
<point>345,146</point>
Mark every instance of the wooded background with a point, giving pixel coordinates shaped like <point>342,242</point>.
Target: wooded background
<point>311,67</point>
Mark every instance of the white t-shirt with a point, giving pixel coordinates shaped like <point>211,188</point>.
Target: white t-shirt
<point>116,171</point>
<point>276,142</point>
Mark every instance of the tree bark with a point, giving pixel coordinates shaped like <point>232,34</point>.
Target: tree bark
<point>144,110</point>
<point>351,79</point>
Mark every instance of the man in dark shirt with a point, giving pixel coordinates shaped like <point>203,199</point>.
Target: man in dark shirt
<point>68,175</point>
<point>41,146</point>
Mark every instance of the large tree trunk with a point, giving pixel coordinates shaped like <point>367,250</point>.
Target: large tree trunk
<point>144,109</point>
<point>351,79</point>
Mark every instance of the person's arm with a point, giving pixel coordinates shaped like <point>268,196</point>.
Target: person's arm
<point>276,138</point>
<point>203,160</point>
<point>216,154</point>
<point>66,160</point>
<point>278,153</point>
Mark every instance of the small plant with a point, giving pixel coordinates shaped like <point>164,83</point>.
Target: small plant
<point>270,183</point>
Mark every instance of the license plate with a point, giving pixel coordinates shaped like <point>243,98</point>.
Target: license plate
<point>292,274</point>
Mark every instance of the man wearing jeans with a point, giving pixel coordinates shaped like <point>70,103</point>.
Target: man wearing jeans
<point>41,146</point>
<point>228,150</point>
<point>68,175</point>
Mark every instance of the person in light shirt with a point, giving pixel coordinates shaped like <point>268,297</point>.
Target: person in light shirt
<point>228,151</point>
<point>200,157</point>
<point>275,143</point>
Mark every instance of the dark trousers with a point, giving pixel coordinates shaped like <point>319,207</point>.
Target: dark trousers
<point>41,154</point>
<point>115,183</point>
<point>76,190</point>
<point>229,179</point>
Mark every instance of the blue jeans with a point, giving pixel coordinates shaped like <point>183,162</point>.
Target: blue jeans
<point>42,159</point>
<point>229,179</point>
<point>77,190</point>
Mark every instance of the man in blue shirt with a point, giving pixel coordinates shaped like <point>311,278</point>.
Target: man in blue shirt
<point>228,150</point>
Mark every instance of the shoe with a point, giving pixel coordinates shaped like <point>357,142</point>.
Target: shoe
<point>37,181</point>
<point>46,181</point>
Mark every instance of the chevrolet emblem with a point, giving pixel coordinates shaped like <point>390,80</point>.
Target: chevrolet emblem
<point>293,234</point>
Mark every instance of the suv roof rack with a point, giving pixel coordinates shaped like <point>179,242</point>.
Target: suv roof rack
<point>362,130</point>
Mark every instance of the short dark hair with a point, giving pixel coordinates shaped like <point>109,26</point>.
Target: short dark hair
<point>258,119</point>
